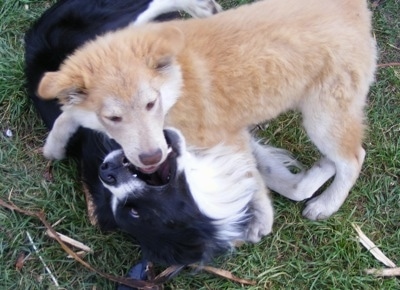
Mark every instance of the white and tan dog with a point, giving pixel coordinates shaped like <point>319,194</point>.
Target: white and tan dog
<point>212,78</point>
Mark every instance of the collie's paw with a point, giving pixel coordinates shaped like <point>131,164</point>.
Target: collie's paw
<point>259,228</point>
<point>53,150</point>
<point>203,8</point>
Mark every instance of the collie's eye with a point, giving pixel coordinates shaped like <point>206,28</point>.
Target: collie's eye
<point>133,213</point>
<point>114,119</point>
<point>125,161</point>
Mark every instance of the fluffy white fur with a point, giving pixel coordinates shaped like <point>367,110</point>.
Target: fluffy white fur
<point>196,8</point>
<point>295,186</point>
<point>220,183</point>
<point>222,188</point>
<point>121,191</point>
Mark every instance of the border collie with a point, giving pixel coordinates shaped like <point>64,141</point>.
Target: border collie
<point>197,204</point>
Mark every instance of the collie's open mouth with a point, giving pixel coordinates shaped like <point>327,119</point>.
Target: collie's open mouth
<point>162,174</point>
<point>159,177</point>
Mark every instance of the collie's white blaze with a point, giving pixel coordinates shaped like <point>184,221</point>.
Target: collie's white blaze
<point>122,190</point>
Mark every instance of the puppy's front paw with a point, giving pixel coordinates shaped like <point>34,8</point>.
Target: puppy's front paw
<point>53,150</point>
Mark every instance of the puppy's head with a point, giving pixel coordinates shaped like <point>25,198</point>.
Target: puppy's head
<point>158,209</point>
<point>129,79</point>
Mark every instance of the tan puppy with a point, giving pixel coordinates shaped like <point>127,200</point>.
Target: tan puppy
<point>212,78</point>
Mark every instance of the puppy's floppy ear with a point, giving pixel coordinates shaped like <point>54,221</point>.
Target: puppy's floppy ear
<point>173,38</point>
<point>57,85</point>
<point>167,44</point>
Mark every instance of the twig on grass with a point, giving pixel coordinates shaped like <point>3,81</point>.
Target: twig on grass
<point>225,274</point>
<point>384,272</point>
<point>379,255</point>
<point>22,257</point>
<point>70,241</point>
<point>392,46</point>
<point>154,284</point>
<point>79,253</point>
<point>388,64</point>
<point>57,222</point>
<point>372,248</point>
<point>126,281</point>
<point>41,260</point>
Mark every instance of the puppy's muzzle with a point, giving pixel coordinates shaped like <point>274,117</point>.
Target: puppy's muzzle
<point>151,158</point>
<point>116,168</point>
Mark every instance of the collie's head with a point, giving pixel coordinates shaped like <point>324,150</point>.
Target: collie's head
<point>187,211</point>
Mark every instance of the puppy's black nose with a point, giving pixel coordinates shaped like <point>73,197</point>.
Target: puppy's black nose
<point>151,158</point>
<point>107,173</point>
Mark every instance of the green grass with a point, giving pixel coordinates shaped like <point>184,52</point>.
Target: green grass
<point>300,254</point>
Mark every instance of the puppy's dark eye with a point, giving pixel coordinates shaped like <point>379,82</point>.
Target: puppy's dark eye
<point>115,119</point>
<point>133,213</point>
<point>162,64</point>
<point>150,105</point>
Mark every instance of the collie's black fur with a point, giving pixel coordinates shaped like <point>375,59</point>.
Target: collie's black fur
<point>159,210</point>
<point>174,230</point>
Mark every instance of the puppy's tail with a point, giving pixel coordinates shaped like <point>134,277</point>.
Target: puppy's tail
<point>280,171</point>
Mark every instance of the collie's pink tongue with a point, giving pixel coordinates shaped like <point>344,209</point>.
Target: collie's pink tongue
<point>149,170</point>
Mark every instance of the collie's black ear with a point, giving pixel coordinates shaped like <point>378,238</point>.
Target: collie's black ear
<point>175,140</point>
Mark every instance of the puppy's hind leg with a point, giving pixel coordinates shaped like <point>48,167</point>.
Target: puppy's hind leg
<point>196,8</point>
<point>337,132</point>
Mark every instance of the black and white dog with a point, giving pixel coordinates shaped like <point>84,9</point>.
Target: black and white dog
<point>193,207</point>
<point>198,203</point>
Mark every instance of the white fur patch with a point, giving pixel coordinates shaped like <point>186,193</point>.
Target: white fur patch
<point>171,89</point>
<point>64,127</point>
<point>87,119</point>
<point>196,8</point>
<point>112,155</point>
<point>274,165</point>
<point>220,185</point>
<point>123,190</point>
